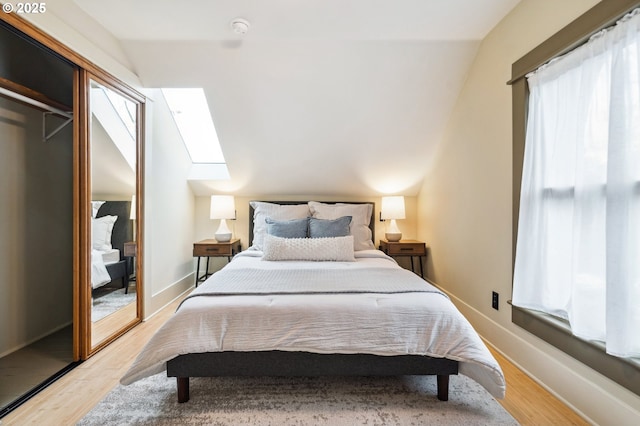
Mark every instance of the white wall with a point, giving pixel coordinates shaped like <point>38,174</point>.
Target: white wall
<point>103,49</point>
<point>36,218</point>
<point>464,211</point>
<point>169,209</point>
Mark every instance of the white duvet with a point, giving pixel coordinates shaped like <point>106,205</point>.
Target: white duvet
<point>99,274</point>
<point>411,317</point>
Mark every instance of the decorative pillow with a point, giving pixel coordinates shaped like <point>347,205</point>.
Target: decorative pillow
<point>329,228</point>
<point>339,249</point>
<point>360,218</point>
<point>95,206</point>
<point>293,228</point>
<point>101,230</point>
<point>263,210</point>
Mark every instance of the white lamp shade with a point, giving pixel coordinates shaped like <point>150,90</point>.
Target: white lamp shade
<point>222,207</point>
<point>132,214</point>
<point>392,207</point>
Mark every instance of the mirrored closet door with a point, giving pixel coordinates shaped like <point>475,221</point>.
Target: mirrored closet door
<point>111,199</point>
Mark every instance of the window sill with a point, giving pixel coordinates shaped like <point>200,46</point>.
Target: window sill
<point>624,371</point>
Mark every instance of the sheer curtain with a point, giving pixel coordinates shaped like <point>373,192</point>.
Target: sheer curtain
<point>578,248</point>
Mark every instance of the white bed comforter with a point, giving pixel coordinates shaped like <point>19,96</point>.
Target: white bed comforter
<point>99,274</point>
<point>412,318</point>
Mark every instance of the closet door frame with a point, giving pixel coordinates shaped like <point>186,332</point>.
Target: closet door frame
<point>81,185</point>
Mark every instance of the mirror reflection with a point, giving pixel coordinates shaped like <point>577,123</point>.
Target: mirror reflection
<point>113,130</point>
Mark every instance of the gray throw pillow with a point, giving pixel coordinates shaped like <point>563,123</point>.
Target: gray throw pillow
<point>329,228</point>
<point>294,228</point>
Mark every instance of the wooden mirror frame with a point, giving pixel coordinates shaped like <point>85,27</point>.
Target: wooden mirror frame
<point>88,347</point>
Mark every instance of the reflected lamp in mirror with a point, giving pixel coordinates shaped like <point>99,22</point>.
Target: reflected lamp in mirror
<point>223,207</point>
<point>392,208</point>
<point>132,216</point>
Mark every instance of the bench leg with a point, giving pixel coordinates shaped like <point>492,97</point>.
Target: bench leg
<point>443,387</point>
<point>183,389</point>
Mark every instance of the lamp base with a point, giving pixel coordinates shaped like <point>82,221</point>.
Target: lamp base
<point>393,237</point>
<point>222,238</point>
<point>223,234</point>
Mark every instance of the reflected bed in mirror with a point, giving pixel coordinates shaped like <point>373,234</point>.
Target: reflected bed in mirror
<point>113,295</point>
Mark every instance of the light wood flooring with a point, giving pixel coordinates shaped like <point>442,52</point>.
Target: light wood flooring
<point>71,397</point>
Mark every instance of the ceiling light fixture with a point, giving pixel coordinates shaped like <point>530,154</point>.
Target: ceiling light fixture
<point>240,26</point>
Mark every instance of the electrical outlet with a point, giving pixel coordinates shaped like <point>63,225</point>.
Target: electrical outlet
<point>495,300</point>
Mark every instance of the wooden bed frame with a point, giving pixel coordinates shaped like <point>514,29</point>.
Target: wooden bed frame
<point>282,363</point>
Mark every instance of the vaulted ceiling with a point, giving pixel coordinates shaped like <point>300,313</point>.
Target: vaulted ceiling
<point>340,97</point>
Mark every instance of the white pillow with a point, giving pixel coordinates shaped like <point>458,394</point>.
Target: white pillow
<point>95,206</point>
<point>263,210</point>
<point>337,249</point>
<point>360,218</point>
<point>101,230</point>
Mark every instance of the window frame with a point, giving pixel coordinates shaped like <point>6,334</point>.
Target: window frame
<point>556,332</point>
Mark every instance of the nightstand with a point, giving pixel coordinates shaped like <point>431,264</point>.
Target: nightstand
<point>410,248</point>
<point>213,248</point>
<point>130,250</point>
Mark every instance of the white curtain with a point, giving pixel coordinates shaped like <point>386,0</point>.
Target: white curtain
<point>578,248</point>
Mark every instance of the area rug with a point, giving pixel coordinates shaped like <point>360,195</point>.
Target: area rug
<point>406,400</point>
<point>107,301</point>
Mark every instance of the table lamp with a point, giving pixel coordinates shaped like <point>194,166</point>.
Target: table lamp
<point>393,208</point>
<point>223,208</point>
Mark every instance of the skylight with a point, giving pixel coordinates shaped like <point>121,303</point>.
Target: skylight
<point>192,116</point>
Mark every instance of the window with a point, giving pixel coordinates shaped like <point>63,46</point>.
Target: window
<point>578,248</point>
<point>193,118</point>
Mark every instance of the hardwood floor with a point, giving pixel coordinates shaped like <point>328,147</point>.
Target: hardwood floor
<point>531,404</point>
<point>70,398</point>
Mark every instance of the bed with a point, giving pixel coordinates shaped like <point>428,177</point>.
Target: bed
<point>111,229</point>
<point>331,305</point>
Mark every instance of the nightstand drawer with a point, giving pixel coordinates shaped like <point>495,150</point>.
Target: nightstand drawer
<point>409,249</point>
<point>130,249</point>
<point>212,250</point>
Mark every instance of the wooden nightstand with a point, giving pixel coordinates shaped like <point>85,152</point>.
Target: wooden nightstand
<point>130,250</point>
<point>410,248</point>
<point>213,248</point>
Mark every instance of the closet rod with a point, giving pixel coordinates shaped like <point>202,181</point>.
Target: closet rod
<point>35,103</point>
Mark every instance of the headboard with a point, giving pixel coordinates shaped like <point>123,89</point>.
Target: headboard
<point>123,228</point>
<point>372,223</point>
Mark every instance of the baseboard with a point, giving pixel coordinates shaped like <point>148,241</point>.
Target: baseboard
<point>164,297</point>
<point>550,369</point>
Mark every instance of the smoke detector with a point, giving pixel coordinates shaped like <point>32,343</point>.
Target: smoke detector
<point>240,26</point>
